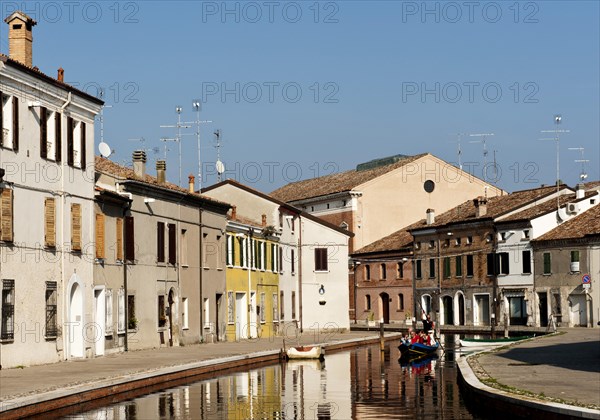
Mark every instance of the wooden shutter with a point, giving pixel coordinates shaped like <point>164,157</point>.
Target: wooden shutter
<point>49,223</point>
<point>172,244</point>
<point>43,133</point>
<point>7,215</point>
<point>100,236</point>
<point>76,227</point>
<point>120,239</point>
<point>15,123</point>
<point>58,136</point>
<point>160,242</point>
<point>83,142</point>
<point>70,151</point>
<point>129,243</point>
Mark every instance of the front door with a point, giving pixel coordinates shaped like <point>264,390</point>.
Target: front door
<point>99,317</point>
<point>170,311</point>
<point>543,308</point>
<point>75,330</point>
<point>481,312</point>
<point>578,311</point>
<point>385,307</point>
<point>241,316</point>
<point>217,319</point>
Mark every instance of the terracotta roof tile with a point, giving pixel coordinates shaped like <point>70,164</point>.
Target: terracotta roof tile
<point>585,224</point>
<point>545,207</point>
<point>393,242</point>
<point>335,183</point>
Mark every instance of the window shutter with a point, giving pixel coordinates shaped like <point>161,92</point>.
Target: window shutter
<point>49,223</point>
<point>83,143</point>
<point>76,227</point>
<point>504,263</point>
<point>1,119</point>
<point>160,242</point>
<point>109,312</point>
<point>58,136</point>
<point>172,244</point>
<point>120,239</point>
<point>129,244</point>
<point>7,215</point>
<point>70,151</point>
<point>43,133</point>
<point>15,123</point>
<point>100,237</point>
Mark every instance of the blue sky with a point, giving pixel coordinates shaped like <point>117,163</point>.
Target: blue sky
<point>303,88</point>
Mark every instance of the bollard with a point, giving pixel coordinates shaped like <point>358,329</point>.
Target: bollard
<point>381,340</point>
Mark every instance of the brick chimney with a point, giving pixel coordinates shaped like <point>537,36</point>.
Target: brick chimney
<point>20,38</point>
<point>139,163</point>
<point>61,75</point>
<point>191,182</point>
<point>233,212</point>
<point>430,216</point>
<point>480,206</point>
<point>264,220</point>
<point>161,169</point>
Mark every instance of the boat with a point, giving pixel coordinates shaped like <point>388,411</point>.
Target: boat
<point>417,349</point>
<point>305,352</point>
<point>487,342</point>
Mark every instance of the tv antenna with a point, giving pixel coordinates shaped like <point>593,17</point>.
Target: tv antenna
<point>219,166</point>
<point>458,149</point>
<point>165,140</point>
<point>101,116</point>
<point>178,126</point>
<point>197,105</point>
<point>583,175</point>
<point>483,139</point>
<point>556,138</point>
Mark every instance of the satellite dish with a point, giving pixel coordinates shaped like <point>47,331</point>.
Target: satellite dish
<point>104,149</point>
<point>220,167</point>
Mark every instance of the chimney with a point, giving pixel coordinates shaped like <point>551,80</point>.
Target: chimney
<point>264,220</point>
<point>20,39</point>
<point>233,212</point>
<point>191,183</point>
<point>161,168</point>
<point>61,75</point>
<point>580,191</point>
<point>139,163</point>
<point>430,217</point>
<point>480,206</point>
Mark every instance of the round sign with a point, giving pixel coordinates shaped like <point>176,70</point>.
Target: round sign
<point>586,278</point>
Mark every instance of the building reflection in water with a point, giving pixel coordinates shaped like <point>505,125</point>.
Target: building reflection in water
<point>363,383</point>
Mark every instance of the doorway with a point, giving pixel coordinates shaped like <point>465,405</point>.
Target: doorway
<point>385,307</point>
<point>75,335</point>
<point>543,308</point>
<point>217,318</point>
<point>170,311</point>
<point>481,310</point>
<point>241,319</point>
<point>578,311</point>
<point>447,311</point>
<point>100,321</point>
<point>461,308</point>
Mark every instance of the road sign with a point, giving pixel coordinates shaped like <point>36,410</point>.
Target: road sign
<point>586,279</point>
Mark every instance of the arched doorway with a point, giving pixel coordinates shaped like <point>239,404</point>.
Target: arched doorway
<point>460,308</point>
<point>385,307</point>
<point>426,304</point>
<point>75,321</point>
<point>171,300</point>
<point>447,310</point>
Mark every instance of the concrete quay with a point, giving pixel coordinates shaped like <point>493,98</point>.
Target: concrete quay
<point>556,376</point>
<point>88,382</point>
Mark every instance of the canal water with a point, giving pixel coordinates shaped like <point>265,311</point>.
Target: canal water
<point>363,383</point>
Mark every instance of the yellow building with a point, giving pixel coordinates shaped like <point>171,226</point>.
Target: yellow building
<point>252,280</point>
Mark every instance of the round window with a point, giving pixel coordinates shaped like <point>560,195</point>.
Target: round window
<point>429,186</point>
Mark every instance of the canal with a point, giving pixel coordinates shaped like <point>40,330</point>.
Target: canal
<point>363,383</point>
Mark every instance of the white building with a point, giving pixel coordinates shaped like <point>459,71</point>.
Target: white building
<point>47,218</point>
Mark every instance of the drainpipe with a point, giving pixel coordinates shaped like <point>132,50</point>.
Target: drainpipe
<point>249,264</point>
<point>200,275</point>
<point>300,228</point>
<point>66,346</point>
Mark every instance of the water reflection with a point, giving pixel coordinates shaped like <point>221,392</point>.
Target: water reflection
<point>364,383</point>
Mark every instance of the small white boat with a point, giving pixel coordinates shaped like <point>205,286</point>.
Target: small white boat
<point>305,352</point>
<point>490,342</point>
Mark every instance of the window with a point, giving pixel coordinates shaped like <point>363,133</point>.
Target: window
<point>281,313</point>
<point>76,143</point>
<point>293,305</point>
<point>131,320</point>
<point>400,270</point>
<point>206,308</point>
<point>51,330</point>
<point>547,263</point>
<point>262,308</point>
<point>418,269</point>
<point>119,222</point>
<point>121,311</point>
<point>229,250</point>
<point>275,310</point>
<point>526,234</point>
<point>7,328</point>
<point>9,122</point>
<point>280,259</point>
<point>400,302</point>
<point>6,216</point>
<point>49,223</point>
<point>431,268</point>
<point>457,242</point>
<point>321,259</point>
<point>367,272</point>
<point>230,308</point>
<point>469,240</point>
<point>76,227</point>
<point>108,315</point>
<point>162,312</point>
<point>242,247</point>
<point>100,238</point>
<point>446,242</point>
<point>293,261</point>
<point>129,243</point>
<point>383,271</point>
<point>491,264</point>
<point>70,145</point>
<point>458,265</point>
<point>185,313</point>
<point>263,256</point>
<point>368,302</point>
<point>447,267</point>
<point>469,266</point>
<point>172,244</point>
<point>184,248</point>
<point>503,259</point>
<point>431,244</point>
<point>526,255</point>
<point>502,236</point>
<point>273,258</point>
<point>574,256</point>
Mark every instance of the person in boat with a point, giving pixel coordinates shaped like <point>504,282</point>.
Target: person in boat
<point>427,324</point>
<point>414,338</point>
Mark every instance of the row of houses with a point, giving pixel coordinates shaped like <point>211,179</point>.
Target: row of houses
<point>98,258</point>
